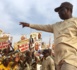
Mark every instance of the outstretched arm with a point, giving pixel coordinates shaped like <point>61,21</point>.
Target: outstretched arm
<point>24,24</point>
<point>46,28</point>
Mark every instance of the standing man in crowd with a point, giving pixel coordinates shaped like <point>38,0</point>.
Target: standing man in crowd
<point>31,42</point>
<point>65,37</point>
<point>47,62</point>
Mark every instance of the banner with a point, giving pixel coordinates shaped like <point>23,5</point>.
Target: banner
<point>22,45</point>
<point>4,42</point>
<point>36,35</point>
<point>37,39</point>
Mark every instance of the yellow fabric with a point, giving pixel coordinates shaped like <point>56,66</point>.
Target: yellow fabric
<point>2,67</point>
<point>6,68</point>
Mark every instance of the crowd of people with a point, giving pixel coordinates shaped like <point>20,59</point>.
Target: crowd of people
<point>27,60</point>
<point>62,56</point>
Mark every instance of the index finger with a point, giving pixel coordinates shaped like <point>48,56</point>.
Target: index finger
<point>20,23</point>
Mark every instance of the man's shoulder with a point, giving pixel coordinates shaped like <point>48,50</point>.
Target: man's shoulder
<point>73,18</point>
<point>49,57</point>
<point>57,23</point>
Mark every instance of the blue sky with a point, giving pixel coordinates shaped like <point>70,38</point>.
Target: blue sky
<point>32,11</point>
